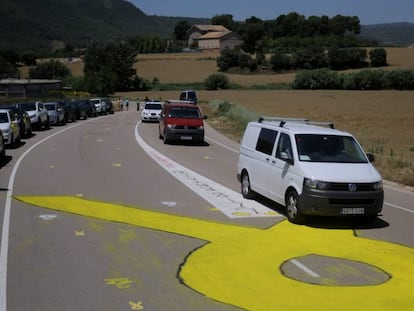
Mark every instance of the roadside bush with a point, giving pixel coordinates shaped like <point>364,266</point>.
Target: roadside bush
<point>217,82</point>
<point>141,84</point>
<point>318,79</point>
<point>234,113</point>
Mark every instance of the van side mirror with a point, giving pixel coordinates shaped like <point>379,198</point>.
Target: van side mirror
<point>205,117</point>
<point>371,157</point>
<point>287,158</point>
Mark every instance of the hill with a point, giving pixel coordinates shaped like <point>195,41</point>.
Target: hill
<point>42,25</point>
<point>399,34</point>
<point>33,25</point>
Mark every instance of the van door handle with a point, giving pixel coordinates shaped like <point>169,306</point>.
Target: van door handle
<point>273,162</point>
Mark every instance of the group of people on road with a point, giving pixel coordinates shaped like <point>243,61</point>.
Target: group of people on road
<point>124,103</point>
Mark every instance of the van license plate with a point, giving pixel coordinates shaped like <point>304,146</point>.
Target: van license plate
<point>352,211</point>
<point>186,137</point>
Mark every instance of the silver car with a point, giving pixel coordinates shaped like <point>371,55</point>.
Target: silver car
<point>9,127</point>
<point>55,112</point>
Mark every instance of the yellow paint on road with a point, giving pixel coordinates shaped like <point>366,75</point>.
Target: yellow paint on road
<point>241,265</point>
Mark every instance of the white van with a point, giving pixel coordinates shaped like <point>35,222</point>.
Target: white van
<point>309,167</point>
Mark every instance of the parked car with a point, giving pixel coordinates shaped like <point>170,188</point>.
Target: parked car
<point>100,105</point>
<point>309,168</point>
<point>79,109</point>
<point>23,119</point>
<point>181,122</point>
<point>69,111</point>
<point>189,95</point>
<point>2,146</point>
<point>37,113</point>
<point>89,107</point>
<point>151,111</point>
<point>9,127</point>
<point>55,112</point>
<point>109,106</point>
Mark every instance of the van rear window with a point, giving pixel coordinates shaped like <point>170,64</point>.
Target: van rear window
<point>329,148</point>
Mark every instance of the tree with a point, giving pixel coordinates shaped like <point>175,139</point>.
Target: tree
<point>52,69</point>
<point>180,30</point>
<point>225,20</point>
<point>109,67</point>
<point>252,32</point>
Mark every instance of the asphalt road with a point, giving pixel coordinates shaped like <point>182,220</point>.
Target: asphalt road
<point>101,215</point>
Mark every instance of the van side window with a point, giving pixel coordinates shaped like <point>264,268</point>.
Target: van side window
<point>284,145</point>
<point>266,141</point>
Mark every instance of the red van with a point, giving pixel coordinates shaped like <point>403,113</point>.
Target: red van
<point>181,121</point>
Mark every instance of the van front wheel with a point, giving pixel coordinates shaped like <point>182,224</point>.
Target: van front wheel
<point>293,211</point>
<point>246,190</point>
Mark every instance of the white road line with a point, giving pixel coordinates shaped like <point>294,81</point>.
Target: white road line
<point>229,202</point>
<point>399,207</point>
<point>304,268</point>
<point>222,145</point>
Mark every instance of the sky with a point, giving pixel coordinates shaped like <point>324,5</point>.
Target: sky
<point>369,11</point>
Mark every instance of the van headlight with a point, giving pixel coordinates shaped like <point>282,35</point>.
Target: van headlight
<point>378,185</point>
<point>315,184</point>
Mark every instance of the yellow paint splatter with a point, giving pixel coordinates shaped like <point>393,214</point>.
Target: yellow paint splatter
<point>136,305</point>
<point>80,233</point>
<point>121,283</point>
<point>241,265</point>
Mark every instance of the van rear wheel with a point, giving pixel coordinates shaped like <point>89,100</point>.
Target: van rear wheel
<point>246,189</point>
<point>293,211</point>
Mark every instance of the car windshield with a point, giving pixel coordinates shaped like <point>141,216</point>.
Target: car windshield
<point>153,106</point>
<point>4,118</point>
<point>28,106</point>
<point>184,112</point>
<point>329,148</point>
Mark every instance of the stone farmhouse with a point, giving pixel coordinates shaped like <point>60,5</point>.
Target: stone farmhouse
<point>212,38</point>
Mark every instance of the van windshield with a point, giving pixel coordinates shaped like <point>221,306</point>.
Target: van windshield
<point>329,148</point>
<point>184,112</point>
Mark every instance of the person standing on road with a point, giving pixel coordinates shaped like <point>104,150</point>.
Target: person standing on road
<point>126,104</point>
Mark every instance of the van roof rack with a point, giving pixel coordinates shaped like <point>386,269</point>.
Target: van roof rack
<point>282,121</point>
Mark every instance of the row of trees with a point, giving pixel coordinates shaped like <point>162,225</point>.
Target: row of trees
<point>308,58</point>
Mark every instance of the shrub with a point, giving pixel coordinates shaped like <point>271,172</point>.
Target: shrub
<point>310,58</point>
<point>347,58</point>
<point>365,80</point>
<point>318,79</point>
<point>232,58</point>
<point>400,79</point>
<point>280,61</point>
<point>236,114</point>
<point>378,57</point>
<point>217,81</point>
